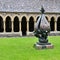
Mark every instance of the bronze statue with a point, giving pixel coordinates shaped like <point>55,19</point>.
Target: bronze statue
<point>42,28</point>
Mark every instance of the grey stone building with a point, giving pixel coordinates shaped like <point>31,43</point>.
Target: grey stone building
<point>17,17</point>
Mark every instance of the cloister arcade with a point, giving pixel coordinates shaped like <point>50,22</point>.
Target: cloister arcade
<point>23,23</point>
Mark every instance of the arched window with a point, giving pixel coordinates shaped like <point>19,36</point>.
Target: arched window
<point>8,24</point>
<point>1,24</point>
<point>58,24</point>
<point>16,24</point>
<point>31,24</point>
<point>24,25</point>
<point>52,24</point>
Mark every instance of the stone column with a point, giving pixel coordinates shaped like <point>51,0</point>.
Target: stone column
<point>34,24</point>
<point>27,27</point>
<point>4,26</point>
<point>20,28</point>
<point>12,27</point>
<point>55,25</point>
<point>49,20</point>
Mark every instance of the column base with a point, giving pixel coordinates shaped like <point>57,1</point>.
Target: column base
<point>30,34</point>
<point>20,33</point>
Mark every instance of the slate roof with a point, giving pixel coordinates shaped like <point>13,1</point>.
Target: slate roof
<point>29,5</point>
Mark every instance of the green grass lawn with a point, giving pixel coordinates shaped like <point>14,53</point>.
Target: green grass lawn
<point>22,49</point>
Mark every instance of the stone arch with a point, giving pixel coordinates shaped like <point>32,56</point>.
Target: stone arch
<point>16,24</point>
<point>24,16</point>
<point>52,23</point>
<point>8,24</point>
<point>1,24</point>
<point>31,24</point>
<point>58,24</point>
<point>24,26</point>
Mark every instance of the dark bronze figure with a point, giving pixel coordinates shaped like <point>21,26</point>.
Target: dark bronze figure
<point>42,28</point>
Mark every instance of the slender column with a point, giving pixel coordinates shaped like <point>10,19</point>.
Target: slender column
<point>27,26</point>
<point>4,26</point>
<point>55,26</point>
<point>12,27</point>
<point>49,21</point>
<point>19,26</point>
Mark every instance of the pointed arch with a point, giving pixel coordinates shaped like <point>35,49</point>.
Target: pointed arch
<point>24,25</point>
<point>8,24</point>
<point>31,24</point>
<point>16,24</point>
<point>58,24</point>
<point>52,24</point>
<point>1,24</point>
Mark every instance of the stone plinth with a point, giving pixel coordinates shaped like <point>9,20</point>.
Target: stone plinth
<point>43,46</point>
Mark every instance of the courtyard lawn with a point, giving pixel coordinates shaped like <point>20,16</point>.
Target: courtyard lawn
<point>22,49</point>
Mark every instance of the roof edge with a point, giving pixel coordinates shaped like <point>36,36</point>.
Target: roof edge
<point>30,12</point>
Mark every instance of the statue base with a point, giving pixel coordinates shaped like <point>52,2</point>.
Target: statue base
<point>43,45</point>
